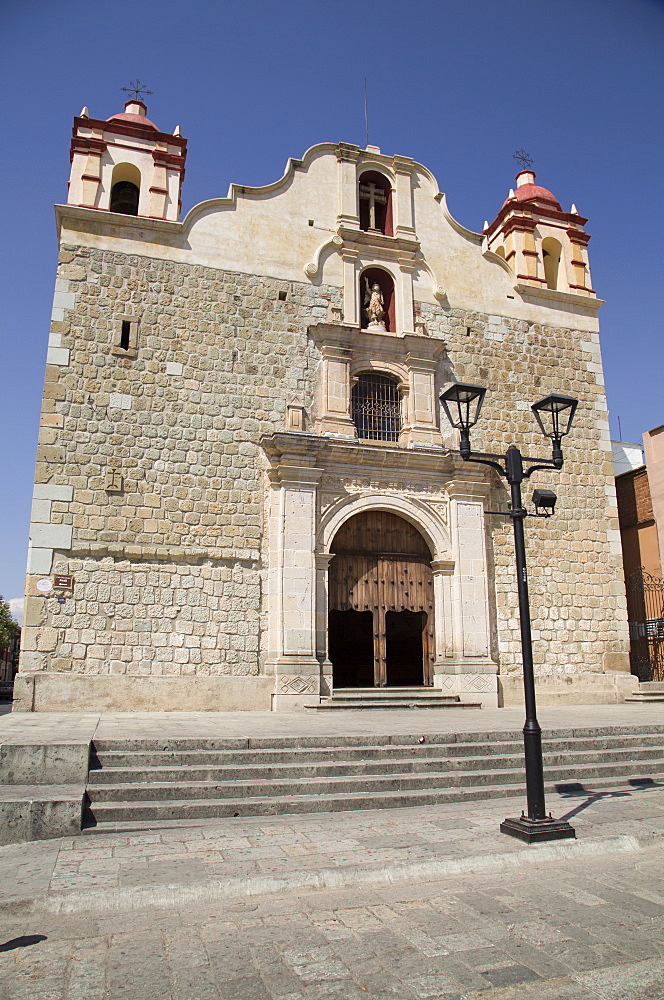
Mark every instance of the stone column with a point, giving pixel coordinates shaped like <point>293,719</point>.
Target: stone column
<point>352,303</point>
<point>347,156</point>
<point>403,288</point>
<point>443,574</point>
<point>157,199</point>
<point>323,561</point>
<point>469,671</point>
<point>579,279</point>
<point>85,178</point>
<point>421,416</point>
<point>334,392</point>
<point>402,200</point>
<point>292,584</point>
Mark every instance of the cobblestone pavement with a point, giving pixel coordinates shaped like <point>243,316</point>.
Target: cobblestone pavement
<point>431,902</point>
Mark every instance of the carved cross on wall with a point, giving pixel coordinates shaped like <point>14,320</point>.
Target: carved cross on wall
<point>375,196</point>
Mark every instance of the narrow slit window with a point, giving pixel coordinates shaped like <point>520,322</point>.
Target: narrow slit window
<point>125,334</point>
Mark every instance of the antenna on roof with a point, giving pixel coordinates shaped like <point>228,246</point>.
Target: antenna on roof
<point>366,115</point>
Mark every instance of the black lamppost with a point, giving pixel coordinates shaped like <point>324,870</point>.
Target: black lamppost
<point>462,404</point>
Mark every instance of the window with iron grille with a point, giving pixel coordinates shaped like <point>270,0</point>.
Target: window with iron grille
<point>376,407</point>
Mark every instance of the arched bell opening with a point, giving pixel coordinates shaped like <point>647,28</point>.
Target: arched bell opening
<point>381,604</point>
<point>375,203</point>
<point>125,189</point>
<point>551,251</point>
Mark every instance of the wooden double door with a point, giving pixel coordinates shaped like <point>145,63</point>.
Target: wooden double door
<point>380,604</point>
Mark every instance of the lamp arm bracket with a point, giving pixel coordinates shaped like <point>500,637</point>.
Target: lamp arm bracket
<point>543,464</point>
<point>489,460</point>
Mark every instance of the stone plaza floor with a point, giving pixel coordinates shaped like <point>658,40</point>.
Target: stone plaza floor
<point>425,902</point>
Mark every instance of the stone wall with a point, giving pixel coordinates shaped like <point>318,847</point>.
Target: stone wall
<point>574,558</point>
<point>149,467</point>
<point>166,559</point>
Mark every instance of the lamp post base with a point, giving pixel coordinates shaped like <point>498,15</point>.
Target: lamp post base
<point>535,831</point>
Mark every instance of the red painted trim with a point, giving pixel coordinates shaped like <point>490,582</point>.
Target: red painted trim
<point>85,145</point>
<point>539,211</point>
<point>576,236</point>
<point>531,277</point>
<point>584,288</point>
<point>165,159</point>
<point>90,177</point>
<point>157,190</point>
<point>530,253</point>
<point>127,128</point>
<point>519,223</point>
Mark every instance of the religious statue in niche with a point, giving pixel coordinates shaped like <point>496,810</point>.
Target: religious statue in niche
<point>374,306</point>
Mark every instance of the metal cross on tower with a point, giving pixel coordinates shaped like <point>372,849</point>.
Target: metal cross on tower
<point>136,88</point>
<point>522,158</point>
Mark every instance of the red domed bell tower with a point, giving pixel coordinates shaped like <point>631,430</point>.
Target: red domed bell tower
<point>125,165</point>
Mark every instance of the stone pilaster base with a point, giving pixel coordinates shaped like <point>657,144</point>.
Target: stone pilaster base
<point>471,682</point>
<point>296,683</point>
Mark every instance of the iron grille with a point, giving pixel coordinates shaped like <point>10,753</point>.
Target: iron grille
<point>376,407</point>
<point>645,607</point>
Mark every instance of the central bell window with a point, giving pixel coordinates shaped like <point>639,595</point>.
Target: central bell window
<point>376,407</point>
<point>375,196</point>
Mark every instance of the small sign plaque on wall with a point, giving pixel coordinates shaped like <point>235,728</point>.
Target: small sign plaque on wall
<point>63,582</point>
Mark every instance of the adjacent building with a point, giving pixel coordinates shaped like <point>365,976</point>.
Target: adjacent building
<point>640,494</point>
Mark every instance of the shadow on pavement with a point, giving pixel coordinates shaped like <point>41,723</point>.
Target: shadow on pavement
<point>22,942</point>
<point>575,789</point>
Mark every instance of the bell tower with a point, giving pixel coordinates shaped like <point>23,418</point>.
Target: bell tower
<point>125,165</point>
<point>546,247</point>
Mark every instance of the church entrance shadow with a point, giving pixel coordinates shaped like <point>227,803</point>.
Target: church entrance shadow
<point>380,625</point>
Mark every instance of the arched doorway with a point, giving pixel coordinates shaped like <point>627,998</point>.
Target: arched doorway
<point>380,603</point>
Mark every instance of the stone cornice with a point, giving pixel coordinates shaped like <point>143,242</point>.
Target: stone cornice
<point>138,228</point>
<point>388,245</point>
<point>312,453</point>
<point>589,302</point>
<point>352,338</point>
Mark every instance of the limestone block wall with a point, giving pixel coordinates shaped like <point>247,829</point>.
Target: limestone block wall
<point>150,484</point>
<point>574,559</point>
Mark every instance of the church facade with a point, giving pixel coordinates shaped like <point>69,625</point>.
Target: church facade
<point>244,496</point>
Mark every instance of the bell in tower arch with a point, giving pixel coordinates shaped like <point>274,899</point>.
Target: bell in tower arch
<point>124,198</point>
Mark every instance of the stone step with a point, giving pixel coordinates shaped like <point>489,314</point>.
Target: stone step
<point>329,742</point>
<point>405,691</point>
<point>386,764</point>
<point>646,696</point>
<point>144,781</point>
<point>139,814</point>
<point>310,756</point>
<point>390,698</point>
<point>349,704</point>
<point>343,784</point>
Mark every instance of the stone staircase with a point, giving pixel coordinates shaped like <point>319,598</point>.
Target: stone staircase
<point>648,691</point>
<point>134,784</point>
<point>390,697</point>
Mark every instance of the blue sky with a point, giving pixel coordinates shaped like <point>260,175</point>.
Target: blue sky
<point>456,84</point>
